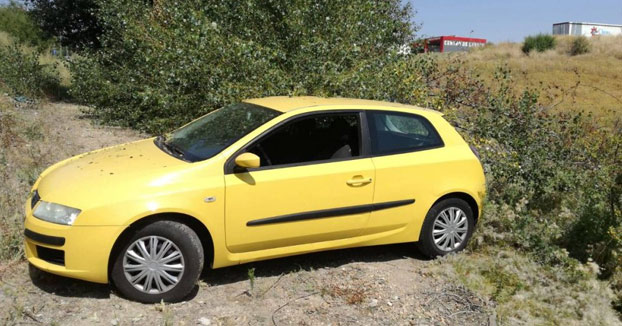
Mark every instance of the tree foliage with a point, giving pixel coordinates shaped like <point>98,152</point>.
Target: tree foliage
<point>15,20</point>
<point>165,62</point>
<point>21,73</point>
<point>72,22</point>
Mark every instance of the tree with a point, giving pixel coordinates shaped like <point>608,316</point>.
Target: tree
<point>15,21</point>
<point>164,62</point>
<point>73,22</point>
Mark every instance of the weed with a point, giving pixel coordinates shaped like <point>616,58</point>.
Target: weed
<point>167,314</point>
<point>251,279</point>
<point>506,283</point>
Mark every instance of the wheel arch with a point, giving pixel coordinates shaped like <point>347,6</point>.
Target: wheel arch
<point>467,198</point>
<point>197,226</point>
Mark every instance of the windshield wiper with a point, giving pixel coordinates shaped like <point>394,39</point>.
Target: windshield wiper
<point>175,149</point>
<point>170,149</point>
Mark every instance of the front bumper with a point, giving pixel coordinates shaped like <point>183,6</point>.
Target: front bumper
<point>79,252</point>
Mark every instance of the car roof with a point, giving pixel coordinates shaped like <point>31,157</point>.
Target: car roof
<point>289,103</point>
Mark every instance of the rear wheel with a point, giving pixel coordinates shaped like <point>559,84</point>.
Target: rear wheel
<point>161,261</point>
<point>447,228</point>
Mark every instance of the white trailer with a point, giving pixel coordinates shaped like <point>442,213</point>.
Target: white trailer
<point>586,29</point>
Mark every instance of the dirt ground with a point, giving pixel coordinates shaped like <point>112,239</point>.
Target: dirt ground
<point>385,285</point>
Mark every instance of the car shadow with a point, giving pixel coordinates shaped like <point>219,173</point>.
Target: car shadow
<point>68,287</point>
<point>312,261</point>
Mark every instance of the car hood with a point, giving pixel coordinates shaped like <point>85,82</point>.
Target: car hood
<point>105,173</point>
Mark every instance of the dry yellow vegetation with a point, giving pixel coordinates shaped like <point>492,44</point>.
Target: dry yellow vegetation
<point>590,82</point>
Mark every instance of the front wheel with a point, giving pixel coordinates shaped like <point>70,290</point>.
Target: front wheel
<point>161,261</point>
<point>447,228</point>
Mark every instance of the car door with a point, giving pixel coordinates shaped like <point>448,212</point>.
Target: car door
<point>406,154</point>
<point>314,184</point>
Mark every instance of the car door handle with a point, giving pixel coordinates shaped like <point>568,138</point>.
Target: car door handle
<point>358,181</point>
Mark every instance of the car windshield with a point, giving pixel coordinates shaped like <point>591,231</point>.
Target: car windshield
<point>209,135</point>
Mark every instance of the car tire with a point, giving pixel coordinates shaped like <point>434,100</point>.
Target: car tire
<point>446,222</point>
<point>170,257</point>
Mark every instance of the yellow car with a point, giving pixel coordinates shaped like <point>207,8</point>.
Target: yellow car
<point>260,179</point>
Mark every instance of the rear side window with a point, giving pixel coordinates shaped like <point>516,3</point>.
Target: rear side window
<point>395,132</point>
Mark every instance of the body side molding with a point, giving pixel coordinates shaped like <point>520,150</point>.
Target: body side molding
<point>332,212</point>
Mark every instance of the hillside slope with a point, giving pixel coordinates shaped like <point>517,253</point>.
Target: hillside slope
<point>591,82</point>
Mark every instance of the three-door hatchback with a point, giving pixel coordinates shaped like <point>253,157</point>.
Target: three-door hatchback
<point>260,179</point>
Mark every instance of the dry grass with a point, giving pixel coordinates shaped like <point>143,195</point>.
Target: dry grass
<point>349,295</point>
<point>527,293</point>
<point>591,82</point>
<point>59,65</point>
<point>32,137</point>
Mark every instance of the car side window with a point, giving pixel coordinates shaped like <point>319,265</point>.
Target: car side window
<point>396,132</point>
<point>314,138</point>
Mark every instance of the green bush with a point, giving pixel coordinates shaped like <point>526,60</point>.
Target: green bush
<point>162,65</point>
<point>540,43</point>
<point>21,74</point>
<point>72,22</point>
<point>580,45</point>
<point>16,21</point>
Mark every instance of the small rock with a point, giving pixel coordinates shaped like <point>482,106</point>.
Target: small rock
<point>373,303</point>
<point>204,321</point>
<point>114,322</point>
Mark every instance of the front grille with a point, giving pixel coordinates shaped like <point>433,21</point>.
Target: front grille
<point>35,199</point>
<point>53,256</point>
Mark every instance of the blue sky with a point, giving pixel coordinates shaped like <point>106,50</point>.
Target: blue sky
<point>509,20</point>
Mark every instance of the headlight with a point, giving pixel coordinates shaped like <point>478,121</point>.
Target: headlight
<point>56,213</point>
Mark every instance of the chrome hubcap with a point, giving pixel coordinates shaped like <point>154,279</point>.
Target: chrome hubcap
<point>153,264</point>
<point>450,229</point>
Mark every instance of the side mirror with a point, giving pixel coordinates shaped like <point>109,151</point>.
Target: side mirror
<point>247,160</point>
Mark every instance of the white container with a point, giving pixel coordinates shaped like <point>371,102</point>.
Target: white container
<point>586,29</point>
